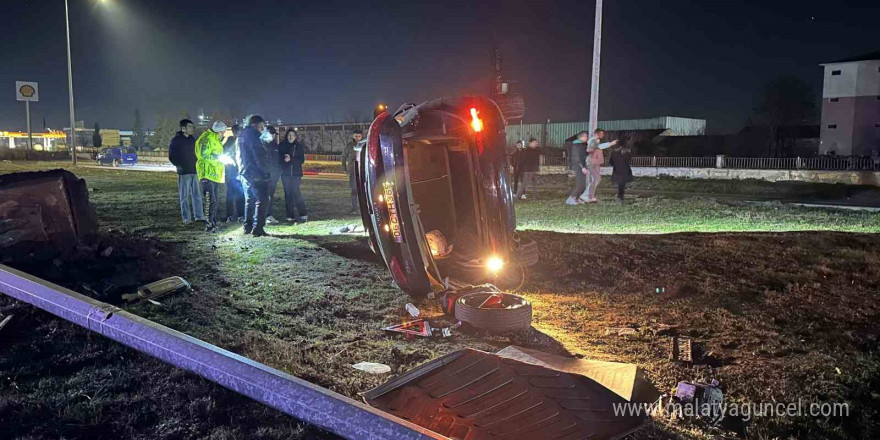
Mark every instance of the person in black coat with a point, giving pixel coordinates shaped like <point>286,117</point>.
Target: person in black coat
<point>578,163</point>
<point>182,154</point>
<point>234,192</point>
<point>621,173</point>
<point>273,166</point>
<point>292,155</point>
<point>528,161</point>
<point>254,176</point>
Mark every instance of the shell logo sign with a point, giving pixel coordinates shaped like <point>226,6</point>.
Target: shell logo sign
<point>27,91</point>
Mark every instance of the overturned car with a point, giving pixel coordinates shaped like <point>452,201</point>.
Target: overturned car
<point>435,196</point>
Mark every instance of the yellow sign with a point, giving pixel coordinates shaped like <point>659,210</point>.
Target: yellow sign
<point>393,220</point>
<point>27,91</point>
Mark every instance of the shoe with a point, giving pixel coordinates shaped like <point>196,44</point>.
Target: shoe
<point>259,232</point>
<point>573,201</point>
<point>523,197</point>
<point>593,200</point>
<point>354,211</point>
<point>583,200</point>
<point>289,219</point>
<point>203,220</point>
<point>247,231</point>
<point>187,222</point>
<point>271,220</point>
<point>241,219</point>
<point>303,219</point>
<point>231,219</point>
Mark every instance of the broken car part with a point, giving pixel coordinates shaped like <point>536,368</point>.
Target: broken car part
<point>494,311</point>
<point>372,367</point>
<point>159,289</point>
<point>473,395</point>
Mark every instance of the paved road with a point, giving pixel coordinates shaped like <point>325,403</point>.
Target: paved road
<point>170,168</point>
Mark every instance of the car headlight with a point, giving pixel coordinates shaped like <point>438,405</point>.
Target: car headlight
<point>494,264</point>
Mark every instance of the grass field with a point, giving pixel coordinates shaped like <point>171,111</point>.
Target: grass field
<point>782,302</point>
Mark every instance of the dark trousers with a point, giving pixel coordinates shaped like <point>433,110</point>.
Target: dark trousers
<point>524,180</point>
<point>352,184</point>
<point>272,185</point>
<point>580,184</point>
<point>234,198</point>
<point>293,199</point>
<point>209,191</point>
<point>256,202</point>
<point>621,190</point>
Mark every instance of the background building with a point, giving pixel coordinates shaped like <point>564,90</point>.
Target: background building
<point>851,106</point>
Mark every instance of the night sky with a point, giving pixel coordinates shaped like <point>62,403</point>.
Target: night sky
<point>316,61</point>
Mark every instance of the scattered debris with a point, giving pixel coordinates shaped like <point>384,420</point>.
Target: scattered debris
<point>477,395</point>
<point>494,311</point>
<point>662,329</point>
<point>681,349</point>
<point>159,289</point>
<point>419,327</point>
<point>620,331</point>
<point>348,229</point>
<point>659,290</point>
<point>5,321</point>
<point>107,252</point>
<point>446,332</point>
<point>412,310</point>
<point>372,367</point>
<point>708,397</point>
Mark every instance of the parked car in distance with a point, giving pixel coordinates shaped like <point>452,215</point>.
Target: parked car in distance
<point>117,156</point>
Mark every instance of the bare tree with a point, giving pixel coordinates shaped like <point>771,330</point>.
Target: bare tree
<point>786,103</point>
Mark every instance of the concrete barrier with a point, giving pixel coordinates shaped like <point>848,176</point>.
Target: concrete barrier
<point>870,178</point>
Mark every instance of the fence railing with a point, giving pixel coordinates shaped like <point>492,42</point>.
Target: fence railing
<point>831,163</point>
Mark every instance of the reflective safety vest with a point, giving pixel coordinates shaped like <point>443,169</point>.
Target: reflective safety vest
<point>208,151</point>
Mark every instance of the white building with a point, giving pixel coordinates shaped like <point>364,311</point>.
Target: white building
<point>851,106</point>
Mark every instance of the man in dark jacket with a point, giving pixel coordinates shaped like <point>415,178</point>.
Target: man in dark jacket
<point>528,160</point>
<point>621,173</point>
<point>348,163</point>
<point>579,167</point>
<point>234,193</point>
<point>293,155</point>
<point>182,154</point>
<point>254,176</point>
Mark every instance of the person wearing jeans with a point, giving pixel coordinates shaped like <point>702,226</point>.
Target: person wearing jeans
<point>595,159</point>
<point>182,154</point>
<point>211,171</point>
<point>292,156</point>
<point>348,164</point>
<point>579,168</point>
<point>254,176</point>
<point>528,160</point>
<point>273,166</point>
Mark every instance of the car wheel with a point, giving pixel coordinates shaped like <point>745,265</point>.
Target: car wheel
<point>495,312</point>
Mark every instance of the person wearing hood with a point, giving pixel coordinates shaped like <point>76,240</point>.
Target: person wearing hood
<point>273,166</point>
<point>234,193</point>
<point>254,176</point>
<point>292,156</point>
<point>182,154</point>
<point>210,170</point>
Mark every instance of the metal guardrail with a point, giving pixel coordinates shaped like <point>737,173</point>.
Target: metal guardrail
<point>823,163</point>
<point>308,402</point>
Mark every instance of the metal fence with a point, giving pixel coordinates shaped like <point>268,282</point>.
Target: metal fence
<point>831,163</point>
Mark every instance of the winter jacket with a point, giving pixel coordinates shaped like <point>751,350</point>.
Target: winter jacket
<point>273,161</point>
<point>208,151</point>
<point>578,156</point>
<point>621,170</point>
<point>528,160</point>
<point>297,157</point>
<point>348,156</point>
<point>251,155</point>
<point>595,151</point>
<point>182,153</point>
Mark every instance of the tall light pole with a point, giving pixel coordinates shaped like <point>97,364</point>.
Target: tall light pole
<point>594,85</point>
<point>70,88</point>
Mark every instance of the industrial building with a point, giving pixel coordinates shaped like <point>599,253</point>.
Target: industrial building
<point>851,106</point>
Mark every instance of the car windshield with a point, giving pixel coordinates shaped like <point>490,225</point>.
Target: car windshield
<point>129,150</point>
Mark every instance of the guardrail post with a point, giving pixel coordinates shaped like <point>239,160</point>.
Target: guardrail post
<point>653,161</point>
<point>719,161</point>
<point>797,163</point>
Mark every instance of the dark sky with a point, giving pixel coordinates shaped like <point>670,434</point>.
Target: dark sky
<point>314,61</point>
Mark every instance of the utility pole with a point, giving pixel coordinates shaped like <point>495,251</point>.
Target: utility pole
<point>70,88</point>
<point>594,85</point>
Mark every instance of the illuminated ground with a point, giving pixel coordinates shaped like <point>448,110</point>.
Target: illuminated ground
<point>778,315</point>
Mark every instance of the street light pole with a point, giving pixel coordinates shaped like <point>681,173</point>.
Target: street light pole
<point>594,85</point>
<point>70,88</point>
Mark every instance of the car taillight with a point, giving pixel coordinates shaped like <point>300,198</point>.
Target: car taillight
<point>373,145</point>
<point>399,275</point>
<point>476,122</point>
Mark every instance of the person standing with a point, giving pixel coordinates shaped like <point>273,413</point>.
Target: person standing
<point>292,156</point>
<point>234,194</point>
<point>595,159</point>
<point>273,166</point>
<point>210,170</point>
<point>578,167</point>
<point>621,170</point>
<point>254,176</point>
<point>527,167</point>
<point>348,163</point>
<point>182,154</point>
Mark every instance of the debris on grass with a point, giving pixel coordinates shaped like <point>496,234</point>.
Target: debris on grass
<point>419,327</point>
<point>681,349</point>
<point>159,289</point>
<point>412,310</point>
<point>372,367</point>
<point>620,331</point>
<point>107,252</point>
<point>5,321</point>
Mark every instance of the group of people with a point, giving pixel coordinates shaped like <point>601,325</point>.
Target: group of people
<point>250,163</point>
<point>587,158</point>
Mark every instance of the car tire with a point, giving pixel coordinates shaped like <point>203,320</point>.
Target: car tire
<point>516,316</point>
